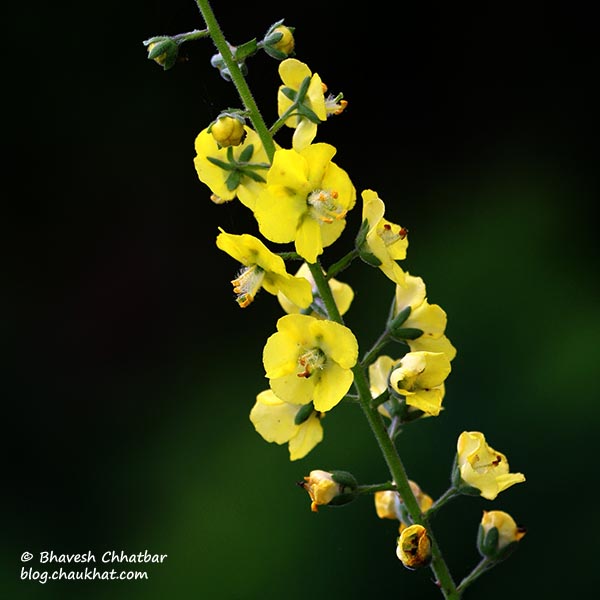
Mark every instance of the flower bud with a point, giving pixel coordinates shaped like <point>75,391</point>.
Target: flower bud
<point>279,41</point>
<point>498,535</point>
<point>163,51</point>
<point>414,547</point>
<point>329,488</point>
<point>228,130</point>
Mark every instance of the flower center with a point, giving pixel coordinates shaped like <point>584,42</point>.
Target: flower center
<point>311,361</point>
<point>324,206</point>
<point>247,284</point>
<point>483,468</point>
<point>390,236</point>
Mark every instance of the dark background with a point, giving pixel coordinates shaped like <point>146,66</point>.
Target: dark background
<point>129,371</point>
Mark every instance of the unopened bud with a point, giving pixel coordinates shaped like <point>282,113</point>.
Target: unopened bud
<point>163,51</point>
<point>498,535</point>
<point>279,41</point>
<point>228,130</point>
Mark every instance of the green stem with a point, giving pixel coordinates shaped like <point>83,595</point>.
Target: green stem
<point>190,35</point>
<point>478,571</point>
<point>445,497</point>
<point>237,77</point>
<point>376,487</point>
<point>372,354</point>
<point>387,447</point>
<point>341,264</point>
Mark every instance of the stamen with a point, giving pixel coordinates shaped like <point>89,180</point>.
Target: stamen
<point>324,207</point>
<point>390,234</point>
<point>247,284</point>
<point>312,360</point>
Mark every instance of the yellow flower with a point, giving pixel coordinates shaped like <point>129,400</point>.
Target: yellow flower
<point>233,171</point>
<point>419,377</point>
<point>228,131</point>
<point>414,547</point>
<point>305,200</point>
<point>342,294</point>
<point>481,467</point>
<point>426,323</point>
<point>306,118</point>
<point>263,269</point>
<point>310,359</point>
<point>386,241</point>
<point>280,422</point>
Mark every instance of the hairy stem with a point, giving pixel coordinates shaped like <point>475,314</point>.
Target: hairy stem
<point>237,77</point>
<point>388,448</point>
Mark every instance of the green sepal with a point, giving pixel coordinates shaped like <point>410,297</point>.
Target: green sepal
<point>361,236</point>
<point>369,258</point>
<point>304,413</point>
<point>308,113</point>
<point>459,484</point>
<point>233,180</point>
<point>487,542</point>
<point>289,93</point>
<point>274,53</point>
<point>506,551</point>
<point>248,172</point>
<point>342,499</point>
<point>245,50</point>
<point>272,38</point>
<point>344,479</point>
<point>400,318</point>
<point>407,333</point>
<point>246,153</point>
<point>221,163</point>
<point>302,89</point>
<point>163,47</point>
<point>167,47</point>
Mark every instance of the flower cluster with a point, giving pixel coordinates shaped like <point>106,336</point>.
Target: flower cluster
<point>300,199</point>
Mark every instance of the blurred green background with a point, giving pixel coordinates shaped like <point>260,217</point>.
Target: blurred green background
<point>129,371</point>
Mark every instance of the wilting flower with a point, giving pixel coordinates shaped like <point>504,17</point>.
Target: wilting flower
<point>480,467</point>
<point>419,377</point>
<point>386,241</point>
<point>281,422</point>
<point>498,535</point>
<point>414,547</point>
<point>342,295</point>
<point>232,171</point>
<point>262,269</point>
<point>310,359</point>
<point>325,488</point>
<point>305,200</point>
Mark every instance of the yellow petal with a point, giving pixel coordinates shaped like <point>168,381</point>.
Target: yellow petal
<point>273,419</point>
<point>337,341</point>
<point>333,384</point>
<point>309,434</point>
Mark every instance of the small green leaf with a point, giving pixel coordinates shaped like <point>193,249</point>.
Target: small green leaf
<point>245,50</point>
<point>407,333</point>
<point>221,163</point>
<point>246,153</point>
